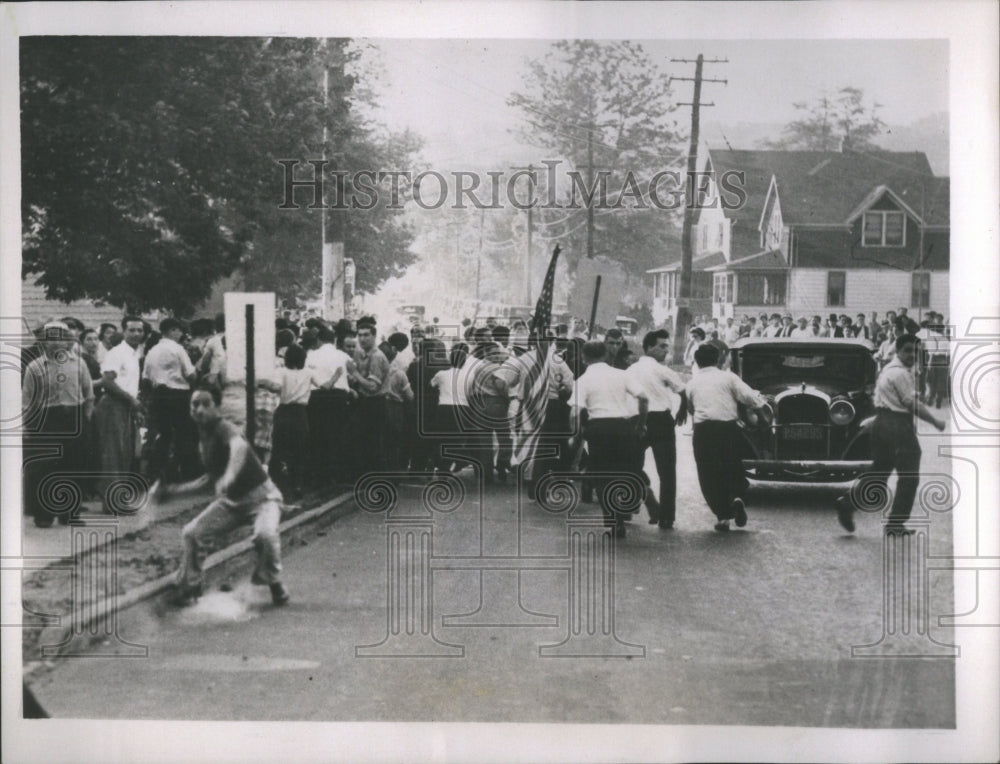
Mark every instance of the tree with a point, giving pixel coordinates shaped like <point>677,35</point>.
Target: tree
<point>607,101</point>
<point>830,123</point>
<point>150,165</point>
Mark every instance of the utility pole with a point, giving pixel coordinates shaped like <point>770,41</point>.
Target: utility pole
<point>479,256</point>
<point>590,184</point>
<point>527,255</point>
<point>683,318</point>
<point>332,230</point>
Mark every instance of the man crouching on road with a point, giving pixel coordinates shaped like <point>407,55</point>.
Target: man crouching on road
<point>244,494</point>
<point>713,397</point>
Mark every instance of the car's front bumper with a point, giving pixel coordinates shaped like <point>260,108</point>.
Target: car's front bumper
<point>803,471</point>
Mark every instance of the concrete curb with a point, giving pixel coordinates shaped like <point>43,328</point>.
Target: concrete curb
<point>92,623</point>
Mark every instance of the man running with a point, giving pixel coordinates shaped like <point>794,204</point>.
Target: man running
<point>244,494</point>
<point>713,398</point>
<point>894,440</point>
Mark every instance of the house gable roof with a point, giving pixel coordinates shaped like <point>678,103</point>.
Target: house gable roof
<point>769,260</point>
<point>877,193</point>
<point>825,187</point>
<point>703,263</point>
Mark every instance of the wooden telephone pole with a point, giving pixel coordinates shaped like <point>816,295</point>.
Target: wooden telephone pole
<point>684,317</point>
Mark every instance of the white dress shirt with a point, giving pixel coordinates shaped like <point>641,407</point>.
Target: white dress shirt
<point>324,361</point>
<point>715,395</point>
<point>896,388</point>
<point>607,393</point>
<point>168,365</point>
<point>123,360</point>
<point>444,381</point>
<point>659,382</point>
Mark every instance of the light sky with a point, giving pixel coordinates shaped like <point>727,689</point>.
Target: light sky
<point>453,92</point>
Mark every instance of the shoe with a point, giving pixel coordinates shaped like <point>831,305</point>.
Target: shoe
<point>666,526</point>
<point>653,508</point>
<point>845,513</point>
<point>47,523</point>
<point>279,594</point>
<point>184,595</point>
<point>258,580</point>
<point>722,526</point>
<point>740,512</point>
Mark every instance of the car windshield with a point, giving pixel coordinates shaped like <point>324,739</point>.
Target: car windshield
<point>760,367</point>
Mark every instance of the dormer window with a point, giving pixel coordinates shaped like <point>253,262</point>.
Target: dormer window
<point>884,229</point>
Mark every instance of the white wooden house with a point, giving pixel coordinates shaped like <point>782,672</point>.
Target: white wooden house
<point>819,232</point>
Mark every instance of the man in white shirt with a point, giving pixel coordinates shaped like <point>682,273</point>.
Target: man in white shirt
<point>773,329</point>
<point>731,333</point>
<point>119,412</point>
<point>327,410</point>
<point>665,391</point>
<point>713,398</point>
<point>894,440</point>
<point>617,409</point>
<point>170,372</point>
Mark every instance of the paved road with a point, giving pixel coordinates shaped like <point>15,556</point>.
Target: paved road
<point>751,627</point>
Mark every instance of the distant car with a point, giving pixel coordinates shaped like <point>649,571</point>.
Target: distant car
<point>628,326</point>
<point>414,313</point>
<point>816,427</point>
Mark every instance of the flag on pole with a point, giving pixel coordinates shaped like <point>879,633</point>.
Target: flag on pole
<point>535,384</point>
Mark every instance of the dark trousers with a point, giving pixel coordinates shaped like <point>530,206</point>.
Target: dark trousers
<point>448,434</point>
<point>720,468</point>
<point>369,421</point>
<point>171,413</point>
<point>555,432</point>
<point>290,444</point>
<point>421,429</point>
<point>62,427</point>
<point>394,435</point>
<point>937,380</point>
<point>328,415</point>
<point>612,446</point>
<point>895,447</point>
<point>660,437</point>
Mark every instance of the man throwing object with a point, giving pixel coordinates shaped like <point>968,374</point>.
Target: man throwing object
<point>244,494</point>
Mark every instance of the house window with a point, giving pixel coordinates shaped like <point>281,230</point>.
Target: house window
<point>723,288</point>
<point>836,288</point>
<point>884,229</point>
<point>761,289</point>
<point>920,290</point>
<point>701,285</point>
<point>704,238</point>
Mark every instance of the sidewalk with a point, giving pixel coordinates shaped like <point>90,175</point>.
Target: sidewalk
<point>56,541</point>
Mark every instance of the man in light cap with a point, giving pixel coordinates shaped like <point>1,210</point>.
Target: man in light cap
<point>57,398</point>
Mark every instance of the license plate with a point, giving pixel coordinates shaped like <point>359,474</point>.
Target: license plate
<point>804,432</point>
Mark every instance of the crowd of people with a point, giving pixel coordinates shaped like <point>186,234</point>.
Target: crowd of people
<point>344,401</point>
<point>933,358</point>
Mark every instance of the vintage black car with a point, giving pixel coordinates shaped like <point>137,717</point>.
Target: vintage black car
<point>816,425</point>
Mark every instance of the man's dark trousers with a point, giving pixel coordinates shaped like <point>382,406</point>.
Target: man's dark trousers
<point>171,409</point>
<point>895,446</point>
<point>720,468</point>
<point>611,445</point>
<point>661,437</point>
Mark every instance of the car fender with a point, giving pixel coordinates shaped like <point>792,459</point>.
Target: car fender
<point>860,445</point>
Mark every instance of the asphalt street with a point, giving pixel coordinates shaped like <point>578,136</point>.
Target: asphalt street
<point>517,624</point>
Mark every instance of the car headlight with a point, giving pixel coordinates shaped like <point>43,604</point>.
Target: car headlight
<point>767,414</point>
<point>842,412</point>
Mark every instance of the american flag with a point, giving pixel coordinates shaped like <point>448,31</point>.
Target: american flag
<point>536,380</point>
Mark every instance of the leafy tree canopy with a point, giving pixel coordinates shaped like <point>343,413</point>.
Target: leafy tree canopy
<point>150,166</point>
<point>613,96</point>
<point>829,123</point>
